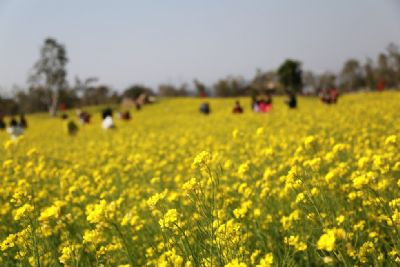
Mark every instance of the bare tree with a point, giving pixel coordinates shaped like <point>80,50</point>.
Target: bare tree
<point>50,72</point>
<point>82,85</point>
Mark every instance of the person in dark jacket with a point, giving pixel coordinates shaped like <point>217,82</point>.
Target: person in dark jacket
<point>107,113</point>
<point>205,108</point>
<point>292,101</point>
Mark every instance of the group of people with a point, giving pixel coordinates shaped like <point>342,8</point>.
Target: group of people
<point>15,127</point>
<point>85,117</point>
<point>260,104</point>
<point>264,103</point>
<point>329,96</point>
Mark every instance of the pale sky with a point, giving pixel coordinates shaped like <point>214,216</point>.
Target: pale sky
<point>171,41</point>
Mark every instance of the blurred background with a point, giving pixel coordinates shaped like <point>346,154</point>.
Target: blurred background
<point>71,54</point>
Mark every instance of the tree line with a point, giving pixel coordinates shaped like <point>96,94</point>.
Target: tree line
<point>48,89</point>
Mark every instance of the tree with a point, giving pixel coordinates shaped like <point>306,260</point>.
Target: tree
<point>135,91</point>
<point>264,81</point>
<point>183,90</point>
<point>231,86</point>
<point>8,106</point>
<point>394,60</point>
<point>35,99</point>
<point>351,76</point>
<point>387,69</point>
<point>50,71</point>
<point>370,75</point>
<point>222,88</point>
<point>384,72</point>
<point>82,85</point>
<point>326,80</point>
<point>68,97</point>
<point>200,88</point>
<point>169,90</point>
<point>309,82</point>
<point>97,95</point>
<point>290,76</point>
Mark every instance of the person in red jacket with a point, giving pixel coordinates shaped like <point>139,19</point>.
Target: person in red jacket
<point>333,95</point>
<point>237,109</point>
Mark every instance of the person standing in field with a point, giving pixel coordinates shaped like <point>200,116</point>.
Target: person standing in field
<point>254,104</point>
<point>107,113</point>
<point>237,109</point>
<point>14,129</point>
<point>85,117</point>
<point>71,127</point>
<point>107,122</point>
<point>292,101</point>
<point>205,108</point>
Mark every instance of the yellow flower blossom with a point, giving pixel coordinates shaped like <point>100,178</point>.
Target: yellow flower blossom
<point>170,218</point>
<point>267,261</point>
<point>327,241</point>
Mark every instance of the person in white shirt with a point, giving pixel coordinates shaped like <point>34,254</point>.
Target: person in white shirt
<point>14,129</point>
<point>108,123</point>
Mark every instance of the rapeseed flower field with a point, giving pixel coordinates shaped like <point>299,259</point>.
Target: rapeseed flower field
<point>316,186</point>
